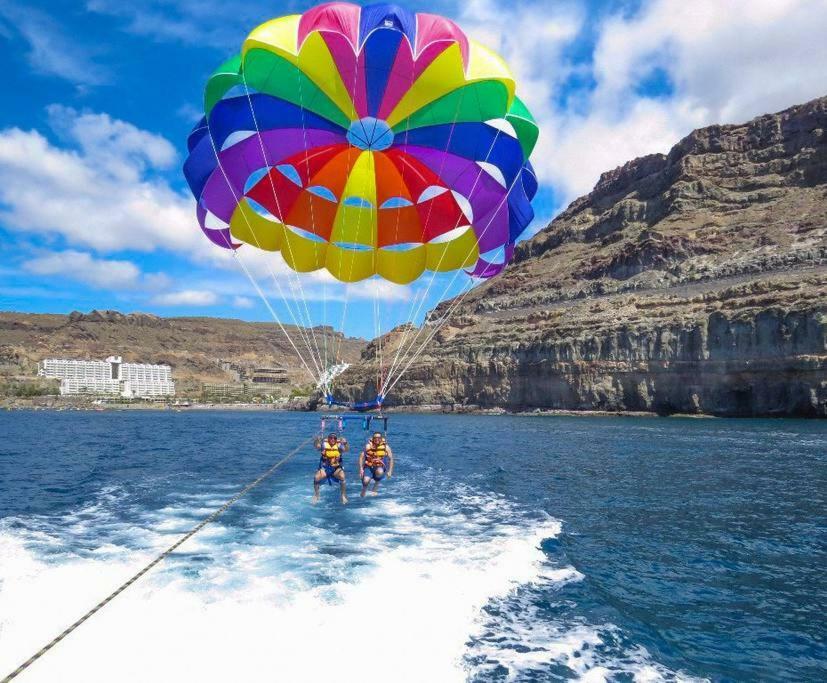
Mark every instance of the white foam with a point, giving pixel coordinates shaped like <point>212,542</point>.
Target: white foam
<point>288,601</point>
<point>408,609</point>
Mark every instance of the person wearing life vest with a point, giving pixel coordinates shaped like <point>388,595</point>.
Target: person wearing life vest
<point>374,461</point>
<point>330,464</point>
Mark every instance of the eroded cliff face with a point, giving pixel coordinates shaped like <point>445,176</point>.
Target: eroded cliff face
<point>691,282</point>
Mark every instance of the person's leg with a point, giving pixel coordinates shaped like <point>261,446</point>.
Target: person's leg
<point>317,480</point>
<point>378,474</point>
<point>366,478</point>
<point>340,475</point>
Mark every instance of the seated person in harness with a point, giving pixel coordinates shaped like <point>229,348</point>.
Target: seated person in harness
<point>330,464</point>
<point>374,461</point>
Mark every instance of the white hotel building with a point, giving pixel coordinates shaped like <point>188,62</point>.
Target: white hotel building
<point>110,377</point>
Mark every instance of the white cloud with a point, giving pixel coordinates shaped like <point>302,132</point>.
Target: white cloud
<point>727,62</point>
<point>191,22</point>
<point>51,51</point>
<point>243,302</point>
<point>104,193</point>
<point>116,148</point>
<point>81,266</point>
<point>186,297</point>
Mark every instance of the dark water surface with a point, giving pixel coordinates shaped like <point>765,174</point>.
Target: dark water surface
<point>506,548</point>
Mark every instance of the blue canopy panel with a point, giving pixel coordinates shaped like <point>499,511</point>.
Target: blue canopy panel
<point>235,114</point>
<point>360,407</point>
<point>387,16</point>
<point>475,141</point>
<point>520,212</point>
<point>380,54</point>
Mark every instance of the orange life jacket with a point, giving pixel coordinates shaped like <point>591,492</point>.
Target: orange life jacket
<point>375,455</point>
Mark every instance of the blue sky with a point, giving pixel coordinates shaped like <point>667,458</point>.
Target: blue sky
<point>99,96</point>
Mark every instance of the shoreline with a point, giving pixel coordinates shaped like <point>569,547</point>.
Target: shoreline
<point>59,406</point>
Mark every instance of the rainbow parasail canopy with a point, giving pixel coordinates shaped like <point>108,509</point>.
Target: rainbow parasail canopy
<point>365,140</point>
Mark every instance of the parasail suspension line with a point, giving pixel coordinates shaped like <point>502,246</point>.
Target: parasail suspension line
<point>389,382</point>
<point>306,321</point>
<point>238,260</point>
<point>458,300</point>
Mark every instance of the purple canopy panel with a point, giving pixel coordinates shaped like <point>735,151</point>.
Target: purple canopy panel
<point>486,269</point>
<point>220,197</point>
<point>240,160</point>
<point>220,236</point>
<point>463,175</point>
<point>221,194</point>
<point>492,228</point>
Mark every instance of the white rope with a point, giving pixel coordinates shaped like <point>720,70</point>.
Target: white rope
<point>457,301</point>
<point>273,313</point>
<point>312,210</point>
<point>338,357</point>
<point>238,260</point>
<point>491,147</point>
<point>430,210</point>
<point>299,287</point>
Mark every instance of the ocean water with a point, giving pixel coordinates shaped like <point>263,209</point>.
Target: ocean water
<point>504,549</point>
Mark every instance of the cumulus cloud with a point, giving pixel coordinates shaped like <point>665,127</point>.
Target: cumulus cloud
<point>724,63</point>
<point>103,190</point>
<point>186,297</point>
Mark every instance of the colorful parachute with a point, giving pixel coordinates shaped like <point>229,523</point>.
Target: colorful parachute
<point>365,140</point>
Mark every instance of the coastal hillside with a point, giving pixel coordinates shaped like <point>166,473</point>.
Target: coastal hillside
<point>198,349</point>
<point>691,282</point>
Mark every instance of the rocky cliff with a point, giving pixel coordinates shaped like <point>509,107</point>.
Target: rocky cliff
<point>692,282</point>
<point>198,349</point>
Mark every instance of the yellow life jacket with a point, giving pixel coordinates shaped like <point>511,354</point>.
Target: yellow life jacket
<point>332,454</point>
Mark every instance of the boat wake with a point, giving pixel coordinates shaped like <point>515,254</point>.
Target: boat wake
<point>427,588</point>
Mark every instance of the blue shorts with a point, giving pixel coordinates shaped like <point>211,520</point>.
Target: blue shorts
<point>330,470</point>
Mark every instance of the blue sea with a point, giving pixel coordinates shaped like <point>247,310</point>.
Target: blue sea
<point>505,548</point>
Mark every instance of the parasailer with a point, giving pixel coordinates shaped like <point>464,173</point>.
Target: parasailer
<point>363,144</point>
<point>375,461</point>
<point>332,450</point>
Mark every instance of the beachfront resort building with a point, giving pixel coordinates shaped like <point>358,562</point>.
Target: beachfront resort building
<point>111,377</point>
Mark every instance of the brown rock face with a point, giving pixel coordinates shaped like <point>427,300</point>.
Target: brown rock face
<point>689,282</point>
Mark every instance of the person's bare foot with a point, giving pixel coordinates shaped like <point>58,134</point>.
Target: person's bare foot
<point>373,492</point>
<point>315,499</point>
<point>362,495</point>
<point>344,500</point>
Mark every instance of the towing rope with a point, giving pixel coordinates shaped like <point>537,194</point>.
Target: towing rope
<point>42,651</point>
